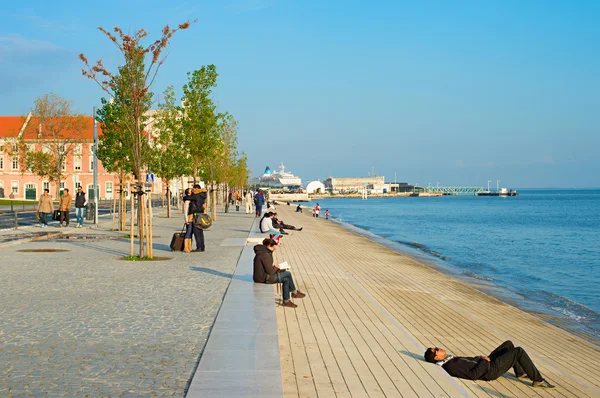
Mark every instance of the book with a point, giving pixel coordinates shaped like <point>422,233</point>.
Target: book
<point>284,266</point>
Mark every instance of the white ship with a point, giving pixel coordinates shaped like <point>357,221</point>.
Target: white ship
<point>280,178</point>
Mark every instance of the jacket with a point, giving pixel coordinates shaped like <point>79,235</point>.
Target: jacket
<point>45,205</point>
<point>197,200</point>
<point>259,199</point>
<point>471,368</point>
<point>266,224</point>
<point>80,200</point>
<point>264,272</point>
<point>65,202</point>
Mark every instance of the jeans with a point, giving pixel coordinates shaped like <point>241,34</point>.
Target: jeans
<point>44,218</point>
<point>189,228</point>
<point>258,210</point>
<point>508,356</point>
<point>287,283</point>
<point>275,233</point>
<point>80,214</point>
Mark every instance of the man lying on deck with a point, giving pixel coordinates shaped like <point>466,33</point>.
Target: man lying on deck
<point>491,367</point>
<point>267,272</point>
<point>280,225</point>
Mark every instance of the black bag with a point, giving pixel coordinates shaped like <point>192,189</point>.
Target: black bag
<point>177,241</point>
<point>56,215</point>
<point>202,221</point>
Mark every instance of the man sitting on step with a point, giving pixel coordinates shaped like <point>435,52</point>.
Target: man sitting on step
<point>280,225</point>
<point>491,367</point>
<point>267,272</point>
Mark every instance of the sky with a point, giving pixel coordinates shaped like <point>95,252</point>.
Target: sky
<point>427,92</point>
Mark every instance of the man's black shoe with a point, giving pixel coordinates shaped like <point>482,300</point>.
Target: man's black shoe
<point>542,384</point>
<point>300,229</point>
<point>199,250</point>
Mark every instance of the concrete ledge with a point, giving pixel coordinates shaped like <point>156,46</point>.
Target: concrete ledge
<point>241,357</point>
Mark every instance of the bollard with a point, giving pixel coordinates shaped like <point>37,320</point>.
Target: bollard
<point>16,221</point>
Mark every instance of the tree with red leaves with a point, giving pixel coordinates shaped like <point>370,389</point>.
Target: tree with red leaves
<point>130,87</point>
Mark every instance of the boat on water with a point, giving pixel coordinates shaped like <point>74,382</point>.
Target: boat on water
<point>280,179</point>
<point>499,191</point>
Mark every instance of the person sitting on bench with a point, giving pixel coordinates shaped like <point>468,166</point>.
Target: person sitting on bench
<point>491,367</point>
<point>266,225</point>
<point>267,272</point>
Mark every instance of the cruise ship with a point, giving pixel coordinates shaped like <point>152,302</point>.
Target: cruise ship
<point>280,179</point>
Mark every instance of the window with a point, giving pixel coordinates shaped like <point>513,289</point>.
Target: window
<point>78,148</point>
<point>46,185</point>
<point>31,147</point>
<point>77,184</point>
<point>62,148</point>
<point>77,162</point>
<point>91,163</point>
<point>15,163</point>
<point>14,186</point>
<point>45,148</point>
<point>62,185</point>
<point>1,161</point>
<point>64,165</point>
<point>14,148</point>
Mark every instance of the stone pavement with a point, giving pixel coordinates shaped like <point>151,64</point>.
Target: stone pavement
<point>85,322</point>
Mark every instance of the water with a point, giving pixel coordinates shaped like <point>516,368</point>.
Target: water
<point>542,248</point>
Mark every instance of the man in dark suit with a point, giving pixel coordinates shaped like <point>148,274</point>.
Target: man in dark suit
<point>489,367</point>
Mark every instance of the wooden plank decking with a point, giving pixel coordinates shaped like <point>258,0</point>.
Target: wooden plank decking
<point>370,312</point>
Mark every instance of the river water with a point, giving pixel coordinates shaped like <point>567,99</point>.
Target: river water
<point>542,248</point>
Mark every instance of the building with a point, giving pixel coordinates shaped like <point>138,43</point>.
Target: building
<point>355,184</point>
<point>78,169</point>
<point>315,187</point>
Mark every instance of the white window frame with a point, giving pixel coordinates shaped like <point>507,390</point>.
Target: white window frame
<point>15,160</point>
<point>46,185</point>
<point>91,163</point>
<point>14,186</point>
<point>78,149</point>
<point>1,161</point>
<point>77,162</point>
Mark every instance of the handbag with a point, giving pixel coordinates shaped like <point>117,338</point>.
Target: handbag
<point>202,221</point>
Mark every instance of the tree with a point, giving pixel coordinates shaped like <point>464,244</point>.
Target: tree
<point>130,88</point>
<point>171,155</point>
<point>58,128</point>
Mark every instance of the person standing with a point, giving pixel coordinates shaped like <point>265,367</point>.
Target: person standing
<point>80,202</point>
<point>248,202</point>
<point>259,200</point>
<point>197,206</point>
<point>64,206</point>
<point>45,208</point>
<point>189,222</point>
<point>327,214</point>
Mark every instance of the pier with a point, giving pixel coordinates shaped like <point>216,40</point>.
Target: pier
<point>455,190</point>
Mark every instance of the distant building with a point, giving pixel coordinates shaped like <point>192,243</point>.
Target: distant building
<point>315,187</point>
<point>355,184</point>
<point>401,187</point>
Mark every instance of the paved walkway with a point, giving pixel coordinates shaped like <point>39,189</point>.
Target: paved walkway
<point>84,322</point>
<point>370,313</point>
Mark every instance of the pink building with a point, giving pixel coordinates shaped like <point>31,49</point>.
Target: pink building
<point>78,170</point>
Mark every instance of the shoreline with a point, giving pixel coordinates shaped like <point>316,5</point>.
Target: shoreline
<point>482,285</point>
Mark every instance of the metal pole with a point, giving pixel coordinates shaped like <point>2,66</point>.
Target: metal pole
<point>96,193</point>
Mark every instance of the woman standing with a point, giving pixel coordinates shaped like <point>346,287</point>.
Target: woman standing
<point>45,208</point>
<point>189,223</point>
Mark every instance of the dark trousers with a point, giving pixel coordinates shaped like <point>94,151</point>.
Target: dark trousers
<point>258,210</point>
<point>44,218</point>
<point>199,236</point>
<point>64,216</point>
<point>287,283</point>
<point>508,356</point>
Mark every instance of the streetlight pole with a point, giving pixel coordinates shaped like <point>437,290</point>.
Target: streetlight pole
<point>95,190</point>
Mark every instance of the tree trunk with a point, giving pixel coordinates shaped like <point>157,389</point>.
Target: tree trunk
<point>168,201</point>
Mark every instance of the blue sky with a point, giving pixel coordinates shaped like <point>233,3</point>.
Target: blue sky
<point>456,92</point>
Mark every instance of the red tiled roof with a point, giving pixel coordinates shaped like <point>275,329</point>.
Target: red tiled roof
<point>87,133</point>
<point>11,125</point>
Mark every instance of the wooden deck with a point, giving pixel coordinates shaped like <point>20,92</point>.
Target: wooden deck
<point>370,312</point>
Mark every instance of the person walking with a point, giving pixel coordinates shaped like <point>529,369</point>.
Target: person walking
<point>80,202</point>
<point>267,272</point>
<point>64,206</point>
<point>248,202</point>
<point>45,208</point>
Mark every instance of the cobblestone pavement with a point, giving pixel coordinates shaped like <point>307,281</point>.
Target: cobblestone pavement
<point>84,322</point>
